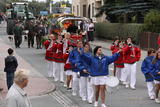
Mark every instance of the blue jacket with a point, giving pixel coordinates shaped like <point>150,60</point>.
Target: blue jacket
<point>155,68</point>
<point>83,65</point>
<point>145,68</point>
<point>99,66</point>
<point>74,59</point>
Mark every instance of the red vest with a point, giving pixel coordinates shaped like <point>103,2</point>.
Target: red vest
<point>113,48</point>
<point>46,44</point>
<point>59,53</point>
<point>50,51</point>
<point>119,63</point>
<point>132,54</point>
<point>74,39</point>
<point>67,65</point>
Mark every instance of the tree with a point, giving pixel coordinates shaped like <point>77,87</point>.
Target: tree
<point>126,10</point>
<point>35,7</point>
<point>152,21</point>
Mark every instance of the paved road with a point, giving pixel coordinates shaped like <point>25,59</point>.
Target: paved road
<point>61,98</point>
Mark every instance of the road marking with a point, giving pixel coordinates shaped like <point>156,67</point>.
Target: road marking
<point>62,99</point>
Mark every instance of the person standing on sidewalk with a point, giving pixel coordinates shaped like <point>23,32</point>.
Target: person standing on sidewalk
<point>17,31</point>
<point>99,70</point>
<point>132,55</point>
<point>90,31</point>
<point>31,33</point>
<point>10,67</point>
<point>40,33</point>
<point>155,70</point>
<point>16,96</point>
<point>145,68</point>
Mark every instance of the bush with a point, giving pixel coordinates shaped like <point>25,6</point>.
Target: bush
<point>152,21</point>
<point>111,30</point>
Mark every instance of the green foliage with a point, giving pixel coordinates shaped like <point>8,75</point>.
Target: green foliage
<point>152,21</point>
<point>117,10</point>
<point>111,30</point>
<point>157,4</point>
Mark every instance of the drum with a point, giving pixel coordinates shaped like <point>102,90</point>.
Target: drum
<point>112,81</point>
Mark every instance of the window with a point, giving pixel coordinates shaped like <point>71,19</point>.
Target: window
<point>77,10</point>
<point>92,9</point>
<point>73,8</point>
<point>84,10</point>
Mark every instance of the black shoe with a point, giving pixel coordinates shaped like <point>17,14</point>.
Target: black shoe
<point>1,89</point>
<point>69,89</point>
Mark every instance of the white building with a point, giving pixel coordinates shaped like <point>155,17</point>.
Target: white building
<point>87,8</point>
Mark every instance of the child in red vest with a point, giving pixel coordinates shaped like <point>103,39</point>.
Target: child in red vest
<point>67,66</point>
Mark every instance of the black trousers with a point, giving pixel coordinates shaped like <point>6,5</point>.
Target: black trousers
<point>18,41</point>
<point>90,36</point>
<point>39,41</point>
<point>30,40</point>
<point>10,78</point>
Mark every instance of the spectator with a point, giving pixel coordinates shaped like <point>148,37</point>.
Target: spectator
<point>17,31</point>
<point>16,96</point>
<point>90,31</point>
<point>10,67</point>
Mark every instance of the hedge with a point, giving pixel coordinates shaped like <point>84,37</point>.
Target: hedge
<point>111,30</point>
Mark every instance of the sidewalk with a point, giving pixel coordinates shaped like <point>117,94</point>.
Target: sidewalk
<point>38,84</point>
<point>106,44</point>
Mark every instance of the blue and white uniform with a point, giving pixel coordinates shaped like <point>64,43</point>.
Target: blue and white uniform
<point>146,70</point>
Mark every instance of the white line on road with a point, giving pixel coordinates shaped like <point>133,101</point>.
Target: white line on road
<point>62,99</point>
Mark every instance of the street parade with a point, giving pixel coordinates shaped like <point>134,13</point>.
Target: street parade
<point>71,59</point>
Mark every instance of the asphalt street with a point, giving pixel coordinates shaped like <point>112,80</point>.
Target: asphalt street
<point>120,97</point>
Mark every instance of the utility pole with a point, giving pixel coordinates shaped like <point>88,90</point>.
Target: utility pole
<point>50,7</point>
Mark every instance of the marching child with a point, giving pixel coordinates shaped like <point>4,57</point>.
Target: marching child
<point>49,45</point>
<point>86,88</point>
<point>119,64</point>
<point>155,70</point>
<point>99,71</point>
<point>145,68</point>
<point>132,55</point>
<point>74,60</point>
<point>67,67</point>
<point>59,70</point>
<point>114,47</point>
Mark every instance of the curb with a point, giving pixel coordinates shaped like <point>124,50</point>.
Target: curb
<point>52,89</point>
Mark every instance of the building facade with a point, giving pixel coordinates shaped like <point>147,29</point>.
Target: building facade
<point>87,8</point>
